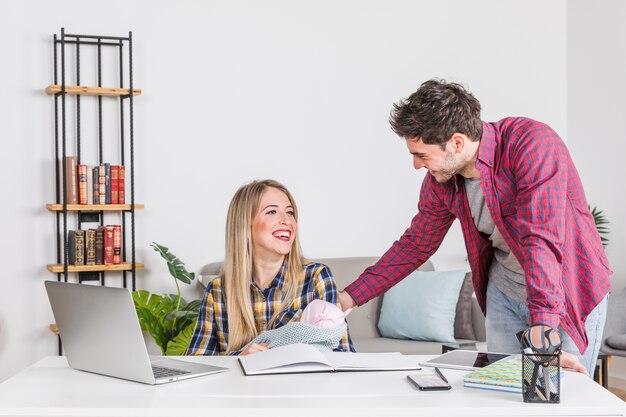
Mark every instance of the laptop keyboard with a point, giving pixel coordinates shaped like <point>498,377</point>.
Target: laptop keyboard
<point>162,372</point>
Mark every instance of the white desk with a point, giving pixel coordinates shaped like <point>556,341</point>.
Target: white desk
<point>51,388</point>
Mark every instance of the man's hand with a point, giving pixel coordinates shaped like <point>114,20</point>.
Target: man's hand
<point>572,362</point>
<point>544,340</point>
<point>254,348</point>
<point>345,300</point>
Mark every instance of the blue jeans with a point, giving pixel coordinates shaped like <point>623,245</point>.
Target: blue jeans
<point>506,317</point>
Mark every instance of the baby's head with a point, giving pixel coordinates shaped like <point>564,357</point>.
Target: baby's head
<point>323,314</point>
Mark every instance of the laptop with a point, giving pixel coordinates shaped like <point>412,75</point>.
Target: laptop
<point>100,332</point>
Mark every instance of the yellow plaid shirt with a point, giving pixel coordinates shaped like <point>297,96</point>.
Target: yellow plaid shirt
<point>210,336</point>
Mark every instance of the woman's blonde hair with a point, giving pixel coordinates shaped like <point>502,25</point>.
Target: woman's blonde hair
<point>238,267</point>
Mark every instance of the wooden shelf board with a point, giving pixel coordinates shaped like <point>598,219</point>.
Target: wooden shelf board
<point>94,207</point>
<point>91,91</point>
<point>124,266</point>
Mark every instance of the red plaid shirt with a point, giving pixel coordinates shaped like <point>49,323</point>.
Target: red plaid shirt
<point>537,202</point>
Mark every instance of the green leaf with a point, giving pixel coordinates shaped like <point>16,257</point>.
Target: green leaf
<point>173,298</point>
<point>193,305</point>
<point>140,298</point>
<point>159,306</point>
<point>600,220</point>
<point>152,311</point>
<point>154,327</point>
<point>178,345</point>
<point>180,314</point>
<point>174,265</point>
<point>180,319</point>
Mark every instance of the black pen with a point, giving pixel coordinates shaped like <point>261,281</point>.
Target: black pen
<point>441,375</point>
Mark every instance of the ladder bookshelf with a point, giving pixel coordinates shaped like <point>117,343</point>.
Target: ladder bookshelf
<point>67,133</point>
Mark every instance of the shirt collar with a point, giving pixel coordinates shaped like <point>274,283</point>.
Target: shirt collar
<point>487,147</point>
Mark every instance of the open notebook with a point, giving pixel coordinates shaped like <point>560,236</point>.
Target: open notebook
<point>302,358</point>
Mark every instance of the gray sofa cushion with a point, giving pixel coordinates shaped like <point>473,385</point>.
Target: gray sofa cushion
<point>463,324</point>
<point>362,320</point>
<point>615,325</point>
<point>617,341</point>
<point>407,347</point>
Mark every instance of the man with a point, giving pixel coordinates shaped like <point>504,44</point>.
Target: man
<point>536,257</point>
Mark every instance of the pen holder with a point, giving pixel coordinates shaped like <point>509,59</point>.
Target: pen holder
<point>541,378</point>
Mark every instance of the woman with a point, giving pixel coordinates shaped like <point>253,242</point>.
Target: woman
<point>265,282</point>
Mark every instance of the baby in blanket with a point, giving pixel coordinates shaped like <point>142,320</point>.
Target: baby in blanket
<point>322,325</point>
<point>323,314</point>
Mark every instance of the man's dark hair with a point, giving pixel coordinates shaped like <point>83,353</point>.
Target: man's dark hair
<point>435,112</point>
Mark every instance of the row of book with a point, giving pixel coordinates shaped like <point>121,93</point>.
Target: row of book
<point>101,246</point>
<point>100,184</point>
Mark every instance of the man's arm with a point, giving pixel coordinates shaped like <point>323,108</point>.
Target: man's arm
<point>415,246</point>
<point>541,169</point>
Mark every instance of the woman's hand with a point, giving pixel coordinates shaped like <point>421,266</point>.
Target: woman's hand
<point>254,348</point>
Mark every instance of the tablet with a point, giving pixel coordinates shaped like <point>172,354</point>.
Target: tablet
<point>465,359</point>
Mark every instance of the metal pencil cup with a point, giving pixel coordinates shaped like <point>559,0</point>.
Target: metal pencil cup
<point>541,378</point>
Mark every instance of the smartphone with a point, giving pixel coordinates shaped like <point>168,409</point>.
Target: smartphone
<point>428,382</point>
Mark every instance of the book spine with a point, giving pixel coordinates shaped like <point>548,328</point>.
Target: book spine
<point>82,184</point>
<point>102,184</point>
<point>108,245</point>
<point>89,185</point>
<point>117,244</point>
<point>107,182</point>
<point>71,180</point>
<point>80,247</point>
<point>96,185</point>
<point>90,247</point>
<point>100,245</point>
<point>121,187</point>
<point>71,247</point>
<point>115,184</point>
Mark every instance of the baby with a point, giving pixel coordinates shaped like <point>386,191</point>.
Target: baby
<point>321,324</point>
<point>323,314</point>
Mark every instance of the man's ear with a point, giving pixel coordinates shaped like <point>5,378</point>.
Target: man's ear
<point>458,141</point>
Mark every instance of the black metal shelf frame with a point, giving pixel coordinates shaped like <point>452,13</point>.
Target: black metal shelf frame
<point>60,140</point>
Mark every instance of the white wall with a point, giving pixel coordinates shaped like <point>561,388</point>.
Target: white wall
<point>596,67</point>
<point>237,90</point>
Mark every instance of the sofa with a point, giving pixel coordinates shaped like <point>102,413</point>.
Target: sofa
<point>363,320</point>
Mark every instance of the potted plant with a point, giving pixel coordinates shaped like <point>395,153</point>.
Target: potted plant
<point>169,318</point>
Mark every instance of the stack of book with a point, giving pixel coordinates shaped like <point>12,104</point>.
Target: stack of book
<point>101,246</point>
<point>504,375</point>
<point>101,184</point>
